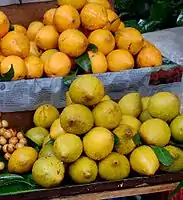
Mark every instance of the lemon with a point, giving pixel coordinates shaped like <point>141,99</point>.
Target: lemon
<point>33,29</point>
<point>49,16</point>
<point>34,49</point>
<point>131,121</point>
<point>22,160</point>
<point>66,17</point>
<point>76,119</point>
<point>98,62</point>
<point>144,161</point>
<point>59,64</point>
<point>125,134</point>
<point>15,43</point>
<point>144,116</point>
<point>166,111</point>
<point>47,54</point>
<point>114,167</point>
<point>48,172</point>
<point>104,3</point>
<point>130,39</point>
<point>1,59</point>
<point>37,135</point>
<point>87,90</point>
<point>68,147</point>
<point>4,24</point>
<point>45,115</point>
<point>119,60</point>
<point>47,151</point>
<point>46,140</point>
<point>94,16</point>
<point>69,37</point>
<point>20,28</point>
<point>68,99</point>
<point>148,44</point>
<point>155,132</point>
<point>18,65</point>
<point>106,97</point>
<point>107,114</point>
<point>130,104</point>
<point>121,26</point>
<point>114,20</point>
<point>145,102</point>
<point>98,143</point>
<point>84,170</point>
<point>56,129</point>
<point>77,4</point>
<point>176,127</point>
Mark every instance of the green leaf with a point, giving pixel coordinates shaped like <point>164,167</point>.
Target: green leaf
<point>9,177</point>
<point>137,139</point>
<point>51,141</point>
<point>33,144</point>
<point>12,28</point>
<point>116,140</point>
<point>8,76</point>
<point>163,155</point>
<point>84,62</point>
<point>68,79</point>
<point>92,47</point>
<point>179,21</point>
<point>177,189</point>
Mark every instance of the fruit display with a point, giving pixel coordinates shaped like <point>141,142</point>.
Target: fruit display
<point>80,37</point>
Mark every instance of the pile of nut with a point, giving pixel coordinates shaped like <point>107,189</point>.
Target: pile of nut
<point>10,139</point>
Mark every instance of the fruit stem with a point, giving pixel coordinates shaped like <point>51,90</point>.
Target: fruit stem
<point>115,162</point>
<point>87,174</point>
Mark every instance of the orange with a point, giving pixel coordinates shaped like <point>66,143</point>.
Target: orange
<point>78,4</point>
<point>20,28</point>
<point>147,44</point>
<point>33,29</point>
<point>114,20</point>
<point>4,24</point>
<point>104,3</point>
<point>58,65</point>
<point>119,59</point>
<point>48,16</point>
<point>34,49</point>
<point>121,26</point>
<point>47,54</point>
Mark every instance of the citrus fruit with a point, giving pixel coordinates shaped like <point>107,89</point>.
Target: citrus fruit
<point>59,64</point>
<point>114,167</point>
<point>103,39</point>
<point>47,54</point>
<point>166,111</point>
<point>68,99</point>
<point>15,43</point>
<point>144,116</point>
<point>46,140</point>
<point>77,4</point>
<point>56,129</point>
<point>33,29</point>
<point>48,172</point>
<point>34,49</point>
<point>1,59</point>
<point>130,39</point>
<point>176,127</point>
<point>98,62</point>
<point>98,143</point>
<point>114,20</point>
<point>83,170</point>
<point>46,151</point>
<point>148,44</point>
<point>145,102</point>
<point>106,97</point>
<point>104,3</point>
<point>48,16</point>
<point>121,26</point>
<point>130,121</point>
<point>68,147</point>
<point>69,37</point>
<point>34,67</point>
<point>86,89</point>
<point>22,160</point>
<point>94,16</point>
<point>4,24</point>
<point>76,119</point>
<point>66,17</point>
<point>45,115</point>
<point>144,161</point>
<point>18,66</point>
<point>119,60</point>
<point>20,28</point>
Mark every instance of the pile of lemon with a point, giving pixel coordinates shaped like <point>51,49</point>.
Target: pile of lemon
<point>50,46</point>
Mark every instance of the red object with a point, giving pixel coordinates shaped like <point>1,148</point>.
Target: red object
<point>178,196</point>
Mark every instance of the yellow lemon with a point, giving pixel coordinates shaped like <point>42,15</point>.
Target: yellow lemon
<point>20,28</point>
<point>103,39</point>
<point>77,4</point>
<point>121,26</point>
<point>104,3</point>
<point>34,49</point>
<point>48,16</point>
<point>58,65</point>
<point>4,24</point>
<point>114,20</point>
<point>47,54</point>
<point>131,121</point>
<point>33,29</point>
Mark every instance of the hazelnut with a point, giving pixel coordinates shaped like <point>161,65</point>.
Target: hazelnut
<point>3,140</point>
<point>23,141</point>
<point>19,145</point>
<point>5,148</point>
<point>4,124</point>
<point>2,166</point>
<point>13,132</point>
<point>13,140</point>
<point>20,135</point>
<point>7,156</point>
<point>7,134</point>
<point>2,130</point>
<point>11,148</point>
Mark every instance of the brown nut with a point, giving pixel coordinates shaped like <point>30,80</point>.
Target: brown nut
<point>11,148</point>
<point>23,141</point>
<point>7,156</point>
<point>7,134</point>
<point>4,123</point>
<point>12,131</point>
<point>2,130</point>
<point>5,148</point>
<point>13,140</point>
<point>3,140</point>
<point>19,145</point>
<point>2,166</point>
<point>20,135</point>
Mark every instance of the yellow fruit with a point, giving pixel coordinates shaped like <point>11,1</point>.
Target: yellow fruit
<point>166,111</point>
<point>145,102</point>
<point>18,65</point>
<point>131,121</point>
<point>119,60</point>
<point>94,16</point>
<point>69,37</point>
<point>155,132</point>
<point>68,147</point>
<point>66,17</point>
<point>37,135</point>
<point>149,57</point>
<point>98,62</point>
<point>84,170</point>
<point>114,167</point>
<point>15,43</point>
<point>144,116</point>
<point>130,39</point>
<point>103,39</point>
<point>176,127</point>
<point>48,16</point>
<point>144,161</point>
<point>114,20</point>
<point>125,134</point>
<point>56,129</point>
<point>76,119</point>
<point>4,24</point>
<point>148,44</point>
<point>34,50</point>
<point>48,172</point>
<point>98,143</point>
<point>47,37</point>
<point>1,59</point>
<point>104,3</point>
<point>34,67</point>
<point>106,97</point>
<point>130,104</point>
<point>45,115</point>
<point>47,151</point>
<point>68,99</point>
<point>47,54</point>
<point>33,29</point>
<point>86,89</point>
<point>121,26</point>
<point>107,114</point>
<point>22,160</point>
<point>59,64</point>
<point>77,4</point>
<point>46,140</point>
<point>20,28</point>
